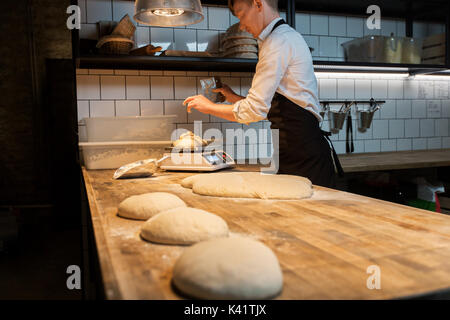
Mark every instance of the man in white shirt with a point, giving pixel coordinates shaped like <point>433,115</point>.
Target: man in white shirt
<point>284,91</point>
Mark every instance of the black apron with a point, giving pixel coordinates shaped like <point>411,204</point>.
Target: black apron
<point>304,149</point>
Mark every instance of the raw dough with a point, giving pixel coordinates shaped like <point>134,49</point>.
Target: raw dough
<point>184,226</point>
<point>145,206</point>
<point>250,185</point>
<point>228,268</point>
<point>189,140</point>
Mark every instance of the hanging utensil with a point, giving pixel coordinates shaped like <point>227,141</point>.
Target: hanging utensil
<point>349,146</point>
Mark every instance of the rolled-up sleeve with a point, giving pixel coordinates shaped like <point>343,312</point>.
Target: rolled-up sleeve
<point>274,57</point>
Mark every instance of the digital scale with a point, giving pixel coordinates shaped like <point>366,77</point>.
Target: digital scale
<point>196,160</point>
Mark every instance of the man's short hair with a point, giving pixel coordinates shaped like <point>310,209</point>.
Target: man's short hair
<point>272,3</point>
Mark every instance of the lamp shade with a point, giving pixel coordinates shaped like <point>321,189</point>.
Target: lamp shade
<point>168,13</point>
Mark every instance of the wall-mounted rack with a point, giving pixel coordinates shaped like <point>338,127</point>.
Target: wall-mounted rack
<point>337,117</point>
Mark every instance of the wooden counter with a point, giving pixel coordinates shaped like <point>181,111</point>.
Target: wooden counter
<point>376,161</point>
<point>324,244</point>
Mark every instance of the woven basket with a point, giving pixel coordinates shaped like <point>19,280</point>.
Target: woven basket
<point>125,27</point>
<point>114,45</point>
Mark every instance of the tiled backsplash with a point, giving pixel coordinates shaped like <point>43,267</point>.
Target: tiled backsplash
<point>415,116</point>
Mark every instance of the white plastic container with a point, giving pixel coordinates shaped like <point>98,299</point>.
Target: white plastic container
<point>137,128</point>
<point>112,155</point>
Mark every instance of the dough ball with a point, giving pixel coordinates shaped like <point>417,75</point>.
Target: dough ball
<point>187,182</point>
<point>250,185</point>
<point>184,226</point>
<point>145,206</point>
<point>189,140</point>
<point>228,268</point>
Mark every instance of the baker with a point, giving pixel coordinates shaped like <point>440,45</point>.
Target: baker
<point>284,90</point>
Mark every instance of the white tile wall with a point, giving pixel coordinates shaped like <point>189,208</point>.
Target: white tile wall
<point>185,39</point>
<point>126,108</point>
<point>388,145</point>
<point>327,46</point>
<point>396,128</point>
<point>103,108</point>
<point>419,109</point>
<point>319,24</point>
<point>152,107</point>
<point>88,87</point>
<point>411,89</point>
<point>218,18</point>
<point>176,107</point>
<point>138,87</point>
<point>355,27</point>
<point>419,144</point>
<point>379,89</point>
<point>434,143</point>
<point>404,109</point>
<point>112,87</point>
<point>83,109</point>
<point>327,88</point>
<point>162,37</point>
<point>404,144</point>
<point>380,129</point>
<point>442,127</point>
<point>162,87</point>
<point>388,109</point>
<point>121,8</point>
<point>207,40</point>
<point>446,142</point>
<point>416,114</point>
<point>303,23</point>
<point>346,88</point>
<point>337,26</point>
<point>412,128</point>
<point>363,89</point>
<point>98,10</point>
<point>185,87</point>
<point>372,146</point>
<point>395,89</point>
<point>427,127</point>
<point>142,37</point>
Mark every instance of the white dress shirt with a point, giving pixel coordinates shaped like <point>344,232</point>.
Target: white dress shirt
<point>284,66</point>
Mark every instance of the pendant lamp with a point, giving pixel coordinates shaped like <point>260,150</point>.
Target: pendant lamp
<point>168,13</point>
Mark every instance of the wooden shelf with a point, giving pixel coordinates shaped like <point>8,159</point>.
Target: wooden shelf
<point>235,64</point>
<point>166,63</point>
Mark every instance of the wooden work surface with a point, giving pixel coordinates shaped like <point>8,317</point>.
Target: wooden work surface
<point>324,244</point>
<point>375,161</point>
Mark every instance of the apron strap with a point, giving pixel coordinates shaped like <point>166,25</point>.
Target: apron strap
<point>336,161</point>
<point>279,23</point>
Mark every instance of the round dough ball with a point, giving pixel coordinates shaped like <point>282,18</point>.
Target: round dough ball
<point>189,140</point>
<point>228,268</point>
<point>250,185</point>
<point>145,206</point>
<point>184,225</point>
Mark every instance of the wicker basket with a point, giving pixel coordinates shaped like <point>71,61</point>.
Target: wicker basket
<point>125,27</point>
<point>114,45</point>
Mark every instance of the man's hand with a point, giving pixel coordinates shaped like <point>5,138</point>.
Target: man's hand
<point>200,103</point>
<point>229,94</point>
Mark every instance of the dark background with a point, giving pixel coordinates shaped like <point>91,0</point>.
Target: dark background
<point>40,222</point>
